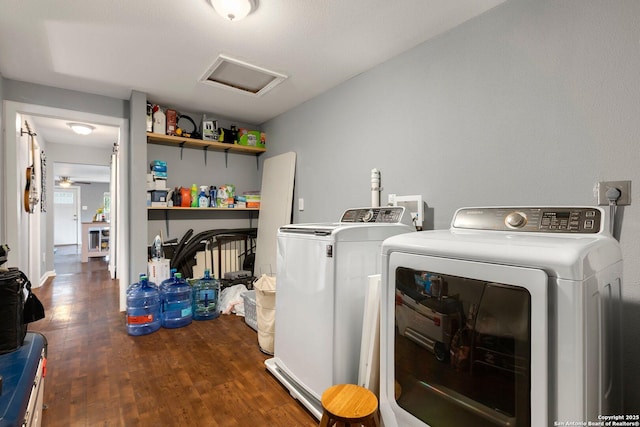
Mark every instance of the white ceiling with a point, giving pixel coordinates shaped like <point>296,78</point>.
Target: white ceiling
<point>163,47</point>
<point>83,169</point>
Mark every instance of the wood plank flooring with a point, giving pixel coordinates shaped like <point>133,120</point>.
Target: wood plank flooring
<point>209,373</point>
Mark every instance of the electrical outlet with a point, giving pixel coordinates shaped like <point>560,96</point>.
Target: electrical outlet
<point>623,186</point>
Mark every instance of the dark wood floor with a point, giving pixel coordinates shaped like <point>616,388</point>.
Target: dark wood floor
<point>209,373</point>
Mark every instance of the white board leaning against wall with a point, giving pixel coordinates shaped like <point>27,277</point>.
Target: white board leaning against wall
<point>276,203</point>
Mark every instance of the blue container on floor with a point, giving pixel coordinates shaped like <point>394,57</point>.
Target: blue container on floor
<point>176,303</point>
<point>205,298</point>
<point>170,280</point>
<point>143,308</point>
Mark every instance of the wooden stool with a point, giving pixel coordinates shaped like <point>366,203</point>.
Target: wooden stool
<point>349,405</point>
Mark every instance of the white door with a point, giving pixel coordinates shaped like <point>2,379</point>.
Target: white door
<point>113,211</point>
<point>65,216</point>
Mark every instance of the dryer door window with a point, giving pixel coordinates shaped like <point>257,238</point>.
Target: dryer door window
<point>463,348</point>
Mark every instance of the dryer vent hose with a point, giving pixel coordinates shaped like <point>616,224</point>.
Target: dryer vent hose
<point>375,188</point>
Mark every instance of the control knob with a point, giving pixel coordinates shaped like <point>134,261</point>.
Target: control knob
<point>516,220</point>
<point>368,216</point>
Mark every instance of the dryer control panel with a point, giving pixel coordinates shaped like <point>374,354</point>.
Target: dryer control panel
<point>387,214</point>
<point>581,220</point>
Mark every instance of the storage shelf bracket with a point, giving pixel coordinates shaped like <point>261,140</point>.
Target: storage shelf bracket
<point>181,149</point>
<point>226,157</point>
<point>205,148</point>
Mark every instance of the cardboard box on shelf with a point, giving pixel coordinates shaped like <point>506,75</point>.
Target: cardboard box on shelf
<point>158,270</point>
<point>158,184</point>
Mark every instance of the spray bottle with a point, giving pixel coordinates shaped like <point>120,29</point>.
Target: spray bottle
<point>203,200</point>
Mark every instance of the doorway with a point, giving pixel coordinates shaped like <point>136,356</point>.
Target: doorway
<point>41,243</point>
<point>66,212</point>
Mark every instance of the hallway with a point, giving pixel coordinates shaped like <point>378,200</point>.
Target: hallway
<point>209,373</point>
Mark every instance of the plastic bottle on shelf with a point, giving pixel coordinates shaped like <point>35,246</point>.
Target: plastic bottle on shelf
<point>185,197</point>
<point>194,196</point>
<point>213,194</point>
<point>143,308</point>
<point>203,200</point>
<point>176,303</point>
<point>205,297</point>
<point>159,121</point>
<point>149,117</point>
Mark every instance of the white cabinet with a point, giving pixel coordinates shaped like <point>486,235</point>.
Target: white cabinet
<point>95,240</point>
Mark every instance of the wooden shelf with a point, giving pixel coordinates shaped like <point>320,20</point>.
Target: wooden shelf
<point>161,208</point>
<point>184,212</point>
<point>157,138</point>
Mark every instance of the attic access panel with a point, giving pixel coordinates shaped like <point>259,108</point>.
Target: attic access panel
<point>233,74</point>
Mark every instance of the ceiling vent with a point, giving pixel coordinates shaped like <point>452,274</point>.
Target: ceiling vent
<point>239,76</point>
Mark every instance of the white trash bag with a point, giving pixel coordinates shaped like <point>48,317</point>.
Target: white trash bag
<point>231,300</point>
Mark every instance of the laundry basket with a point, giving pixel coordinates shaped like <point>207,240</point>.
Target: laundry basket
<point>265,288</point>
<point>250,309</point>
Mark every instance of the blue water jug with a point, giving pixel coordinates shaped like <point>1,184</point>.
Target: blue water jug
<point>205,297</point>
<point>167,282</point>
<point>143,308</point>
<point>176,303</point>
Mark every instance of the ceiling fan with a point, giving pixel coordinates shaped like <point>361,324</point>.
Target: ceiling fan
<point>65,181</point>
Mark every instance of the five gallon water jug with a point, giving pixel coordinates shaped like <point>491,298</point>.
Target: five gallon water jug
<point>171,280</point>
<point>143,308</point>
<point>205,297</point>
<point>176,303</point>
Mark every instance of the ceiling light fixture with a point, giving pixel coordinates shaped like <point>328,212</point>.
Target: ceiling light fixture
<point>65,182</point>
<point>80,128</point>
<point>234,10</point>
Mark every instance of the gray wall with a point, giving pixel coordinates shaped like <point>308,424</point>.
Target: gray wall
<point>531,103</point>
<point>31,93</point>
<point>137,158</point>
<point>91,196</point>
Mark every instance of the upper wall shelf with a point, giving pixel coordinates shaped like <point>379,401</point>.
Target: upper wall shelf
<point>178,141</point>
<point>156,138</point>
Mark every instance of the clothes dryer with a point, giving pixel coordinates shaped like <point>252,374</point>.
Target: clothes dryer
<point>512,317</point>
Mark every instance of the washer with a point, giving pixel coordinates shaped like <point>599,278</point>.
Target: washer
<point>512,317</point>
<point>322,272</point>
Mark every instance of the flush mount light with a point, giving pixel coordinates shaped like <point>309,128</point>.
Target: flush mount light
<point>81,128</point>
<point>234,10</point>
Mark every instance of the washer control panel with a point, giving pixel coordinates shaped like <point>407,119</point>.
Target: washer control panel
<point>387,214</point>
<point>582,220</point>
